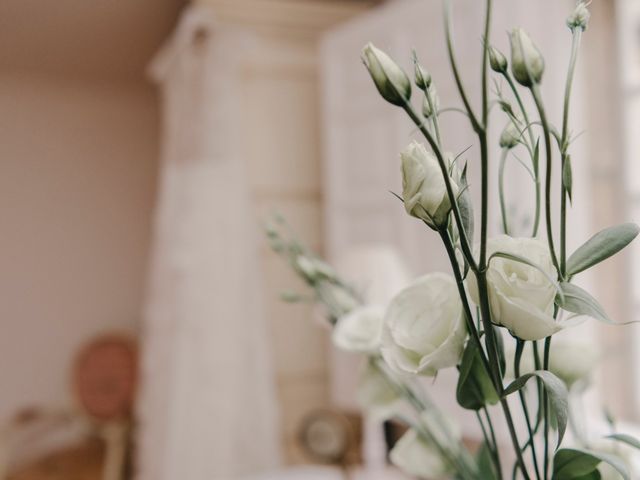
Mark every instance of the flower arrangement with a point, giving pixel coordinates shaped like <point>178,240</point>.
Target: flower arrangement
<point>495,316</point>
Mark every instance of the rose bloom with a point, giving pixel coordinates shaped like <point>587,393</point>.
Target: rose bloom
<point>424,329</point>
<point>521,296</point>
<point>359,330</point>
<point>423,188</point>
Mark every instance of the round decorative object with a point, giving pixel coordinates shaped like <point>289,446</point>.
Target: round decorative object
<point>105,376</point>
<point>330,437</point>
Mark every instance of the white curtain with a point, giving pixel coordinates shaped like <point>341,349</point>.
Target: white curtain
<point>207,408</point>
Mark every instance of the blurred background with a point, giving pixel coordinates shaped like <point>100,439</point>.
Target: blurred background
<point>142,146</point>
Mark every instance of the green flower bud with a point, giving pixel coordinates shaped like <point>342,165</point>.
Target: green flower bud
<point>579,18</point>
<point>510,136</point>
<point>423,78</point>
<point>527,63</point>
<point>497,60</point>
<point>390,80</point>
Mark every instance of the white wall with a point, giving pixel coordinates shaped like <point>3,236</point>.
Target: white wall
<point>77,180</point>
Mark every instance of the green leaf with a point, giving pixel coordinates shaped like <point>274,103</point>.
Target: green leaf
<point>475,388</point>
<point>486,469</point>
<point>577,300</point>
<point>628,439</point>
<point>567,177</point>
<point>595,475</point>
<point>558,395</point>
<point>601,246</point>
<point>572,464</point>
<point>465,206</point>
<point>502,358</point>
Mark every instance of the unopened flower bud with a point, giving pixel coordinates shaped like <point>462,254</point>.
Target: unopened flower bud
<point>579,18</point>
<point>423,187</point>
<point>497,60</point>
<point>423,78</point>
<point>527,63</point>
<point>510,136</point>
<point>390,80</point>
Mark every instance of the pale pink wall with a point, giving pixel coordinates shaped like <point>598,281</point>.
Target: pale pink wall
<point>77,181</point>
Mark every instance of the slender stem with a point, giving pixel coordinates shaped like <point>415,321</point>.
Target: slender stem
<point>464,241</point>
<point>503,206</point>
<point>532,146</point>
<point>495,443</point>
<point>523,401</point>
<point>545,403</point>
<point>493,361</point>
<point>575,44</point>
<point>434,118</point>
<point>473,331</point>
<point>535,90</point>
<point>485,66</point>
<point>454,66</point>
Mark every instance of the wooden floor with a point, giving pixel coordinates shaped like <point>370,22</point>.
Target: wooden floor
<point>82,462</point>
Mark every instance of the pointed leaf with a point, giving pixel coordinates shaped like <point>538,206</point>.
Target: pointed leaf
<point>572,464</point>
<point>466,207</point>
<point>475,388</point>
<point>601,246</point>
<point>628,439</point>
<point>577,300</point>
<point>567,177</point>
<point>485,464</point>
<point>558,396</point>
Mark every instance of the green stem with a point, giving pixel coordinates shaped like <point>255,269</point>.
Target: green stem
<point>473,331</point>
<point>495,443</point>
<point>575,45</point>
<point>535,90</point>
<point>494,362</point>
<point>434,118</point>
<point>454,67</point>
<point>464,241</point>
<point>503,206</point>
<point>545,403</point>
<point>523,401</point>
<point>532,146</point>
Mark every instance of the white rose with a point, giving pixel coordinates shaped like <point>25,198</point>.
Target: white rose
<point>359,330</point>
<point>376,394</point>
<point>424,328</point>
<point>416,456</point>
<point>423,188</point>
<point>521,296</point>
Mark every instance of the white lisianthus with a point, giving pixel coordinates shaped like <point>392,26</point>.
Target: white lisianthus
<point>376,395</point>
<point>423,188</point>
<point>416,456</point>
<point>390,80</point>
<point>360,330</point>
<point>424,329</point>
<point>521,296</point>
<point>527,63</point>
